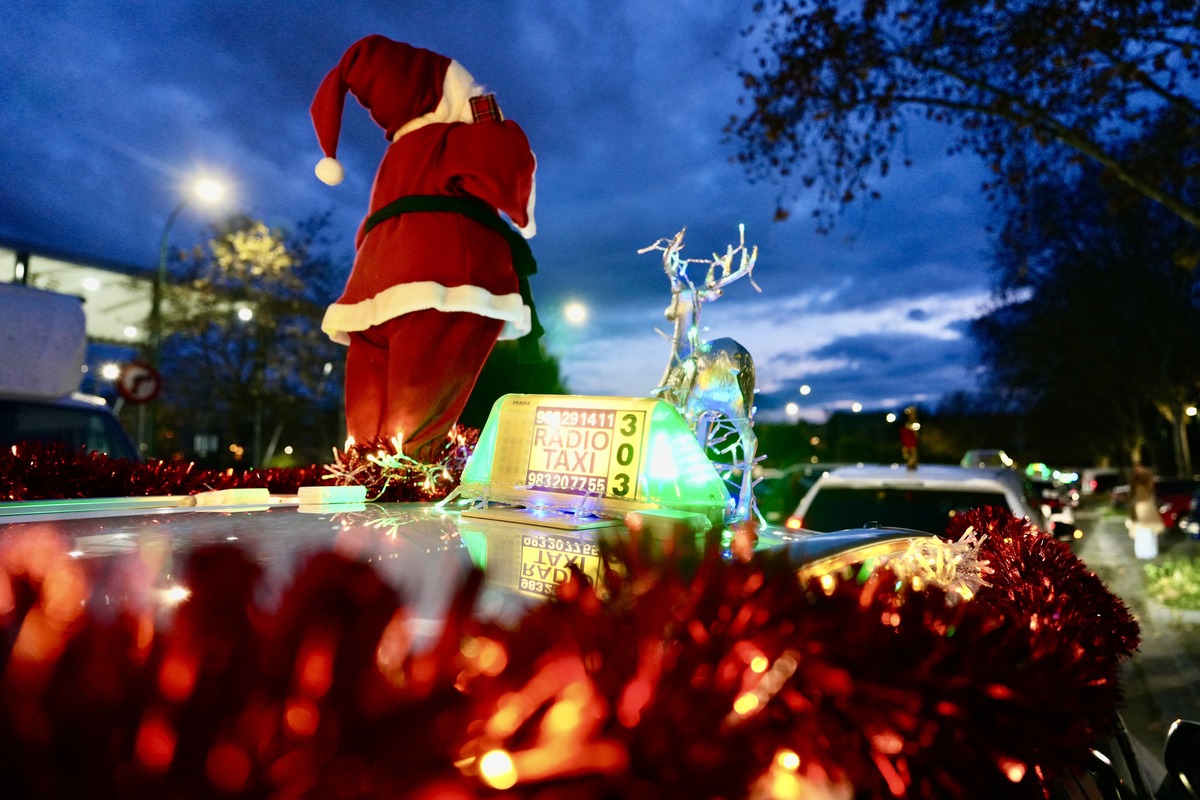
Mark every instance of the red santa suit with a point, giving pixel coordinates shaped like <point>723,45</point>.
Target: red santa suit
<point>436,276</point>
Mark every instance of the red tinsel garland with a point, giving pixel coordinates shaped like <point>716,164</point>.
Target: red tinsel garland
<point>54,471</point>
<point>691,676</point>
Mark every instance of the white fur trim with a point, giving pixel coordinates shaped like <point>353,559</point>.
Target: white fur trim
<point>330,171</point>
<point>458,87</point>
<point>341,318</point>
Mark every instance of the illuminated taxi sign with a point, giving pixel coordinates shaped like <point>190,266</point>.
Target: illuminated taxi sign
<point>587,451</point>
<point>546,562</point>
<point>592,455</point>
<point>530,561</point>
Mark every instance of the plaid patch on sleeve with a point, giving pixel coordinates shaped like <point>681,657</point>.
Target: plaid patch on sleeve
<point>485,107</point>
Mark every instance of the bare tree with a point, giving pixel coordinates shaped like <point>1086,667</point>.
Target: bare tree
<point>1032,87</point>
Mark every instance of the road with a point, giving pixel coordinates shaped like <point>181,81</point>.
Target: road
<point>1162,680</point>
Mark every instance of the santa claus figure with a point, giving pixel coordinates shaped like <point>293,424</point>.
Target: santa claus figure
<point>439,275</point>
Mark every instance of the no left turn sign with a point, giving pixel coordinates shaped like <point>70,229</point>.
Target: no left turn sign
<point>138,382</point>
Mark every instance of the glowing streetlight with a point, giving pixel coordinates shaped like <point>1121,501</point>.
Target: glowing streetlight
<point>856,407</point>
<point>207,191</point>
<point>575,313</point>
<point>245,314</point>
<point>110,371</point>
<point>1190,411</point>
<point>792,409</point>
<point>805,389</point>
<point>891,417</point>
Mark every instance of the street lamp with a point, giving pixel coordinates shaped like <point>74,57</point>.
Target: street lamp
<point>575,312</point>
<point>208,192</point>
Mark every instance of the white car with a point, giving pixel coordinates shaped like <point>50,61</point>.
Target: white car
<point>924,499</point>
<point>79,420</point>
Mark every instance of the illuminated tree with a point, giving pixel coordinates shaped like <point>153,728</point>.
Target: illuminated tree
<point>244,357</point>
<point>1032,86</point>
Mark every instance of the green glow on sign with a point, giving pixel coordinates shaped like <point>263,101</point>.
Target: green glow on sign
<point>636,453</point>
<point>476,543</point>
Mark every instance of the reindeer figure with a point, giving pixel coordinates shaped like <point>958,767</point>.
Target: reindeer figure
<point>711,382</point>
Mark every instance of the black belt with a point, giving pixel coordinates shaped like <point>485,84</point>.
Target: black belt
<point>479,211</point>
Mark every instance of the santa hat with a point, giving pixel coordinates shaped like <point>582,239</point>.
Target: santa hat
<point>403,87</point>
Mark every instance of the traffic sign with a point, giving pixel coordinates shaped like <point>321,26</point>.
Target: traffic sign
<point>138,382</point>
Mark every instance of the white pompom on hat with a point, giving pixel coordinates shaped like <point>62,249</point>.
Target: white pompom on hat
<point>330,171</point>
<point>401,86</point>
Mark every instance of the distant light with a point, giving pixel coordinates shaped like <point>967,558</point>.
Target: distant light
<point>91,284</point>
<point>176,595</point>
<point>131,332</point>
<point>792,409</point>
<point>891,417</point>
<point>1190,411</point>
<point>288,449</point>
<point>497,770</point>
<point>857,407</point>
<point>245,314</point>
<point>328,368</point>
<point>814,441</point>
<point>208,190</point>
<point>575,312</point>
<point>75,553</point>
<point>110,371</point>
<point>805,389</point>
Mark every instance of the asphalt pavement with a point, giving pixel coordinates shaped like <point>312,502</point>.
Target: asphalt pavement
<point>1162,680</point>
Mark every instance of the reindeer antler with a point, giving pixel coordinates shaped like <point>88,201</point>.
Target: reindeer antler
<point>673,264</point>
<point>713,285</point>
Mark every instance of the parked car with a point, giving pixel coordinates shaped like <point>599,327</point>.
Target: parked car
<point>1174,498</point>
<point>1189,521</point>
<point>987,459</point>
<point>43,339</point>
<point>1058,501</point>
<point>79,420</point>
<point>924,499</point>
<point>1098,480</point>
<point>778,490</point>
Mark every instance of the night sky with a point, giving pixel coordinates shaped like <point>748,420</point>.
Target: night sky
<point>109,107</point>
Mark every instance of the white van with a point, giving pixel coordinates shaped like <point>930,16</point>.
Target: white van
<point>43,340</point>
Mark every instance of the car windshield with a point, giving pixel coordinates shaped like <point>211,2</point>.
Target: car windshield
<point>836,508</point>
<point>74,427</point>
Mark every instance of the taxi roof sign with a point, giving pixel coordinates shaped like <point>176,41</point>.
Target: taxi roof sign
<point>592,456</point>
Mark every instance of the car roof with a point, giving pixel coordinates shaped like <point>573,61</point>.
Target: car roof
<point>422,550</point>
<point>86,402</point>
<point>924,476</point>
